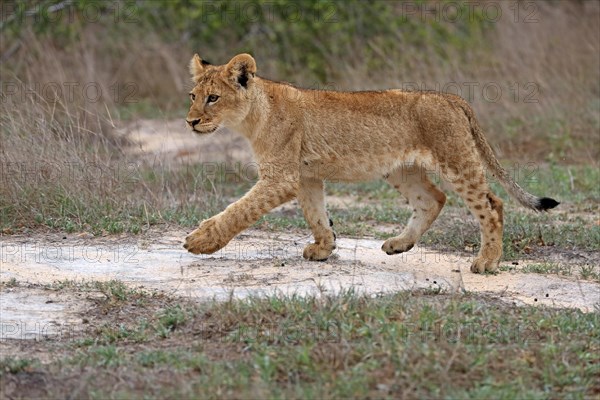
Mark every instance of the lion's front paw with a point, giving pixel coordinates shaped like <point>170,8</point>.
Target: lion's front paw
<point>318,252</point>
<point>397,245</point>
<point>206,239</point>
<point>481,265</point>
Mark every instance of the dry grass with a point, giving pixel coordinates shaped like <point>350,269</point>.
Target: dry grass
<point>68,135</point>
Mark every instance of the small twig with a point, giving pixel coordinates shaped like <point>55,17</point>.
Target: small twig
<point>12,50</point>
<point>571,179</point>
<point>453,355</point>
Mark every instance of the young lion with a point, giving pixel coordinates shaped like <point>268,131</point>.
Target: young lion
<point>302,137</point>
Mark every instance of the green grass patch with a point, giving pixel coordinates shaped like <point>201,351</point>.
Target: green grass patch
<point>419,345</point>
<point>14,365</point>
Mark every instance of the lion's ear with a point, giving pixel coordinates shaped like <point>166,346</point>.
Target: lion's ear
<point>196,67</point>
<point>241,69</point>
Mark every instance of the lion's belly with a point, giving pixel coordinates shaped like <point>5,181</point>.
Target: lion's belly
<point>363,167</point>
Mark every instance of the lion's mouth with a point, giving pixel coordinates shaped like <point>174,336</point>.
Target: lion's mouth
<point>206,130</point>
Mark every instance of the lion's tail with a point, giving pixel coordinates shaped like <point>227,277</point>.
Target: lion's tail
<point>526,199</point>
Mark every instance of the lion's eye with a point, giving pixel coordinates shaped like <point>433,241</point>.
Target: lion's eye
<point>212,98</point>
<point>192,96</point>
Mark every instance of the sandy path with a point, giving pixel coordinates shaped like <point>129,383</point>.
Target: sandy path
<point>258,263</point>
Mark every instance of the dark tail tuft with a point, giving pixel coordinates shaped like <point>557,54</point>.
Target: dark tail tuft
<point>546,203</point>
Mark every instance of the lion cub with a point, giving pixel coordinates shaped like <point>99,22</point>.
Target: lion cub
<point>302,137</point>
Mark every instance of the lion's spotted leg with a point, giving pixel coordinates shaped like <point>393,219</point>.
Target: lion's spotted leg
<point>311,199</point>
<point>214,233</point>
<point>471,186</point>
<point>491,225</point>
<point>425,199</point>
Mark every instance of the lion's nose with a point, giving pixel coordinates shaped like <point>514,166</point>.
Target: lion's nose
<point>193,122</point>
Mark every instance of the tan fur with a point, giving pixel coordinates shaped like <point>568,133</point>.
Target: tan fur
<point>302,137</point>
